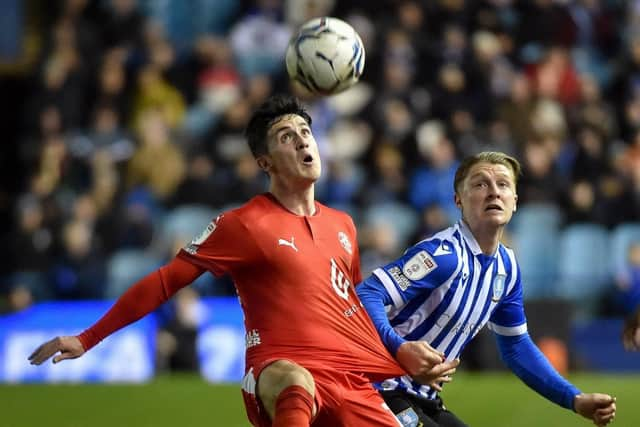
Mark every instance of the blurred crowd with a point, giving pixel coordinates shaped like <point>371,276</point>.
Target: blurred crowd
<point>130,132</point>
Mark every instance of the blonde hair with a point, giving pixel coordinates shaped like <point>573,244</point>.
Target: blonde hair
<point>493,157</point>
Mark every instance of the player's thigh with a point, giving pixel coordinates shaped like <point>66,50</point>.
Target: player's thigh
<point>260,391</point>
<point>407,413</point>
<point>277,376</point>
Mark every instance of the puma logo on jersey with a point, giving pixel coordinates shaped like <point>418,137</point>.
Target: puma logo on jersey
<point>291,244</point>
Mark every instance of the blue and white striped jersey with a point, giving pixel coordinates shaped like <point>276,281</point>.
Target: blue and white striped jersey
<point>444,290</point>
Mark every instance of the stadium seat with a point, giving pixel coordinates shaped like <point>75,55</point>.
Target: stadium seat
<point>537,254</point>
<point>583,263</point>
<point>537,215</point>
<point>621,238</point>
<point>534,228</point>
<point>126,267</point>
<point>403,219</point>
<point>352,209</point>
<point>186,222</point>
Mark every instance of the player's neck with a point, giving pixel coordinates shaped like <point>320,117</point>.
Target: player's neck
<point>298,201</point>
<point>488,238</point>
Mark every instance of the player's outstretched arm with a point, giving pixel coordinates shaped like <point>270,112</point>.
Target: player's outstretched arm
<point>631,331</point>
<point>139,300</point>
<point>599,408</point>
<point>68,347</point>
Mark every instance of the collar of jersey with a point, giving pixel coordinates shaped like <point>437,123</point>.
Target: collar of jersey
<point>467,235</point>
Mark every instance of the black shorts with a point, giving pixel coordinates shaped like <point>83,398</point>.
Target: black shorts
<point>413,411</point>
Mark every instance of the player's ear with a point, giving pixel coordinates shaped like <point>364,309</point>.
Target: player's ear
<point>515,204</point>
<point>264,163</point>
<point>457,200</point>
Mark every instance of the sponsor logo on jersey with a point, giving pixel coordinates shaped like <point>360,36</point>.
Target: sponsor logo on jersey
<point>345,242</point>
<point>252,338</point>
<point>498,287</point>
<point>399,278</point>
<point>291,244</point>
<point>419,266</point>
<point>350,311</point>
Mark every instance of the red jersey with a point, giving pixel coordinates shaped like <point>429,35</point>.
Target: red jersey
<point>295,276</point>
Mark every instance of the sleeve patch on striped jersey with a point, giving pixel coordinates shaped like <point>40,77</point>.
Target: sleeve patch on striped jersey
<point>400,279</point>
<point>419,266</point>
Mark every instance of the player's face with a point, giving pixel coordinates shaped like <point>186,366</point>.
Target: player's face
<point>488,195</point>
<point>293,152</point>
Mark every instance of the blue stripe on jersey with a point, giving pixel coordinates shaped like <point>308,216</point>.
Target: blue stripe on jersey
<point>425,326</point>
<point>453,321</point>
<point>455,330</point>
<point>468,305</point>
<point>414,304</point>
<point>409,309</point>
<point>481,319</point>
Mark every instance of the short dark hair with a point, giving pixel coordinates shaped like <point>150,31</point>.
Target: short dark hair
<point>266,115</point>
<point>493,157</point>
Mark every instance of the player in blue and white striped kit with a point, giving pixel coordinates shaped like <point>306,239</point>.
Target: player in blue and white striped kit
<point>444,289</point>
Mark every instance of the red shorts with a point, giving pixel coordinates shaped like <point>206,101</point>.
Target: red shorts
<point>342,399</point>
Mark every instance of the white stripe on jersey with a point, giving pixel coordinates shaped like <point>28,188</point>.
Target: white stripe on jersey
<point>512,260</point>
<point>389,286</point>
<point>475,319</point>
<point>434,300</point>
<point>511,331</point>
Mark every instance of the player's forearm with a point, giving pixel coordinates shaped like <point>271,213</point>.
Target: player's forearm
<point>525,360</point>
<point>374,297</point>
<point>141,299</point>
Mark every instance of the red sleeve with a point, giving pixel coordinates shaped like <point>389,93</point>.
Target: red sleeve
<point>141,299</point>
<point>224,246</point>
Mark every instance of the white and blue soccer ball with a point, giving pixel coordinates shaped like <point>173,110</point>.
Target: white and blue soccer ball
<point>326,56</point>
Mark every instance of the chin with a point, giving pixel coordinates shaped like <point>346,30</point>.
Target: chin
<point>313,173</point>
<point>496,222</point>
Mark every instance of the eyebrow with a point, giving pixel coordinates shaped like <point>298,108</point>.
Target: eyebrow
<point>485,175</point>
<point>280,128</point>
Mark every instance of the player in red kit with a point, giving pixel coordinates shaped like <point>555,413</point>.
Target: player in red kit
<point>311,348</point>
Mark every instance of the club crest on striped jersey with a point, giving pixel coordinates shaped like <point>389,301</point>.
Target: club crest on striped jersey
<point>419,266</point>
<point>498,287</point>
<point>345,242</point>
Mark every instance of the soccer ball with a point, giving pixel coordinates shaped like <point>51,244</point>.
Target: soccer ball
<point>326,56</point>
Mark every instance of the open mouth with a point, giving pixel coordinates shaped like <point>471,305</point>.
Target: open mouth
<point>308,159</point>
<point>492,208</point>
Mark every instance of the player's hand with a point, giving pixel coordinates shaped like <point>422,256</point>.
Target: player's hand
<point>418,357</point>
<point>631,332</point>
<point>68,347</point>
<point>599,408</point>
<point>445,377</point>
<point>441,373</point>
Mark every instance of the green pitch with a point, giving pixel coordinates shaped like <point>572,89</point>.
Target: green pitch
<point>496,400</point>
